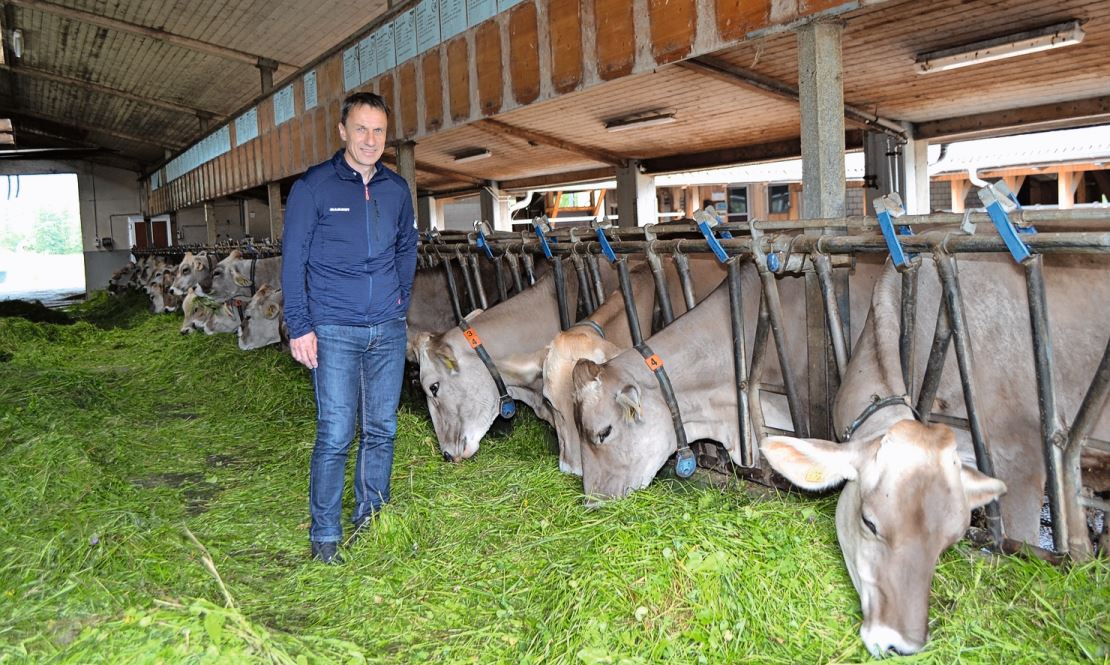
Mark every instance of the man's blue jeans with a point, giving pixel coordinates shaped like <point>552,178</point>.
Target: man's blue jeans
<point>359,371</point>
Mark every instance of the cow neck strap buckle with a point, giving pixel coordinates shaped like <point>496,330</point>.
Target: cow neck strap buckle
<point>506,406</point>
<point>874,406</point>
<point>591,324</point>
<point>684,463</point>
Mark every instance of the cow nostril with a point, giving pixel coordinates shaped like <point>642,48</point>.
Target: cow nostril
<point>448,456</point>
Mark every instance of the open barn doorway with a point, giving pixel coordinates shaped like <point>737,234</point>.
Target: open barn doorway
<point>41,254</point>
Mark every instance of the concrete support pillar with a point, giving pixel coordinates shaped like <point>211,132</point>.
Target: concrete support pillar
<point>427,213</point>
<point>494,203</point>
<point>636,202</point>
<point>210,222</point>
<point>917,194</point>
<point>406,166</point>
<point>821,98</point>
<point>277,219</point>
<point>821,101</point>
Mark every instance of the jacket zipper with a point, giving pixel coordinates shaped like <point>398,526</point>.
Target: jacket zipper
<point>366,190</point>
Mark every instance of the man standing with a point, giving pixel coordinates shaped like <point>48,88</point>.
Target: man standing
<point>349,255</point>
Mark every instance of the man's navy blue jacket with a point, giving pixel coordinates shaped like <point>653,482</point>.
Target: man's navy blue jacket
<point>348,249</point>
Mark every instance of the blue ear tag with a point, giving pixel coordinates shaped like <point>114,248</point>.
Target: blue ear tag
<point>684,463</point>
<point>886,208</point>
<point>508,407</point>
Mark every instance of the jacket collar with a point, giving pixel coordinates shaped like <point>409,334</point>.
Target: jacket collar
<point>345,172</point>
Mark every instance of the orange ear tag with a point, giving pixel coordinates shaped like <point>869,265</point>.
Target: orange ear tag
<point>653,362</point>
<point>472,338</point>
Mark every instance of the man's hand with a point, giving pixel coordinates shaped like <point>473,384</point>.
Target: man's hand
<point>303,349</point>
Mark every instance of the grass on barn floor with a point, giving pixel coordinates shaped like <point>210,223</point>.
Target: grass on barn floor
<point>122,441</point>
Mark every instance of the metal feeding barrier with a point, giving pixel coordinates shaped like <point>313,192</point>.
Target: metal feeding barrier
<point>779,249</point>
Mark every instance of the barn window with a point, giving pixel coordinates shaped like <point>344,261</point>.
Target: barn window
<point>738,203</point>
<point>779,198</point>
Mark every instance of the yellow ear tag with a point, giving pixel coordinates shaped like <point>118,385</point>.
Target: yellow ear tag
<point>815,475</point>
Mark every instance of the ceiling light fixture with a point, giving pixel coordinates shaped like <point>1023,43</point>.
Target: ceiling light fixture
<point>638,121</point>
<point>17,43</point>
<point>1021,43</point>
<point>472,155</point>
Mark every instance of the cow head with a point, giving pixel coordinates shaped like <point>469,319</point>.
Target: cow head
<point>907,498</point>
<point>261,324</point>
<point>568,347</point>
<point>192,271</point>
<point>224,285</point>
<point>462,396</point>
<point>624,425</point>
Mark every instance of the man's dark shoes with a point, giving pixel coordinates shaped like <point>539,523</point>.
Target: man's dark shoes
<point>326,553</point>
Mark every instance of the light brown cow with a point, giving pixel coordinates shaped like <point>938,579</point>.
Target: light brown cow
<point>910,487</point>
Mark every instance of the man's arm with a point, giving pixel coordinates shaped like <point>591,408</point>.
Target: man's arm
<point>405,250</point>
<point>300,222</point>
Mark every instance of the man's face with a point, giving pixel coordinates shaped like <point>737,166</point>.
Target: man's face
<point>364,135</point>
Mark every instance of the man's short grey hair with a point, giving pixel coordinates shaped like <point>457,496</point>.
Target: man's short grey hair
<point>370,99</point>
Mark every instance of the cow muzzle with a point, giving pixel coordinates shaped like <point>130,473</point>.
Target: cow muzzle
<point>884,641</point>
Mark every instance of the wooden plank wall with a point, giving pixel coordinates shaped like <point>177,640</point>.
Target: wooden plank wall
<point>534,52</point>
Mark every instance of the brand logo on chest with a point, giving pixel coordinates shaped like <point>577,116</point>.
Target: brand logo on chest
<point>339,210</point>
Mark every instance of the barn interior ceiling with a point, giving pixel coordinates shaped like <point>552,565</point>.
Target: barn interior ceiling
<point>133,82</point>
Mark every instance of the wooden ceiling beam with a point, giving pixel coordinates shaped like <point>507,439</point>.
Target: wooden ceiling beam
<point>746,78</point>
<point>84,127</point>
<point>154,33</point>
<point>786,149</point>
<point>503,128</point>
<point>34,72</point>
<point>1059,115</point>
<point>556,179</point>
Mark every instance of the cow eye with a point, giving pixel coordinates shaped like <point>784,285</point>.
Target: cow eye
<point>869,524</point>
<point>185,271</point>
<point>434,388</point>
<point>603,434</point>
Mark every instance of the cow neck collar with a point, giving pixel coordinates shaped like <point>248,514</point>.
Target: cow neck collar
<point>685,463</point>
<point>874,406</point>
<point>506,407</point>
<point>589,323</point>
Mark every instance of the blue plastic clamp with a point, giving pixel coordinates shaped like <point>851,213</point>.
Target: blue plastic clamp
<point>685,463</point>
<point>481,227</point>
<point>706,222</point>
<point>886,208</point>
<point>1000,201</point>
<point>540,225</point>
<point>603,240</point>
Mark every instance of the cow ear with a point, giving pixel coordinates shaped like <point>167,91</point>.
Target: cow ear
<point>812,464</point>
<point>629,398</point>
<point>585,373</point>
<point>271,311</point>
<point>239,278</point>
<point>979,488</point>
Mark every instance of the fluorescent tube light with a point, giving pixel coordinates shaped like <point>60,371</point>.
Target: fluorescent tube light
<point>638,121</point>
<point>17,43</point>
<point>1021,43</point>
<point>472,155</point>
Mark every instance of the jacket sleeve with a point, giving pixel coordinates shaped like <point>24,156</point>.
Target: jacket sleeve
<point>300,222</point>
<point>405,250</point>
